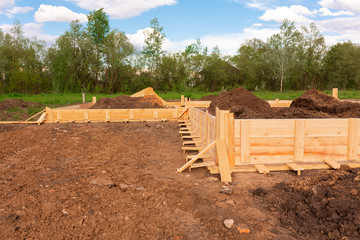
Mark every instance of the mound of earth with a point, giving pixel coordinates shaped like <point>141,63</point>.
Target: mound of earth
<point>123,101</point>
<point>16,103</point>
<point>321,207</point>
<point>208,98</point>
<point>316,101</point>
<point>242,103</point>
<point>17,109</point>
<point>295,112</point>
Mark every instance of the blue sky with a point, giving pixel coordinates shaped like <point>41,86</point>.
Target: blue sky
<point>223,23</point>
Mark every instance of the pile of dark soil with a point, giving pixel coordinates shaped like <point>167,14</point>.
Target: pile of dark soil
<point>321,207</point>
<point>316,101</point>
<point>312,104</point>
<point>16,103</point>
<point>242,103</point>
<point>208,98</point>
<point>17,109</point>
<point>123,102</point>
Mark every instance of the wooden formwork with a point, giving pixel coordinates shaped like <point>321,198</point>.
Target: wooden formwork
<point>113,115</point>
<point>265,145</point>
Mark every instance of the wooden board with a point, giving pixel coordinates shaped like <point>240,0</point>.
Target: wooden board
<point>222,156</point>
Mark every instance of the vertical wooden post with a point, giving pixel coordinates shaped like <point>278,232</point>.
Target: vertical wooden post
<point>353,139</point>
<point>231,140</point>
<point>245,141</point>
<point>83,97</point>
<point>299,140</point>
<point>182,101</point>
<point>207,127</point>
<point>335,93</point>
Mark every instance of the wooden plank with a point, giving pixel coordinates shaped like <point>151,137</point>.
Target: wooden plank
<point>42,118</point>
<point>191,142</point>
<point>268,142</point>
<point>326,132</point>
<point>202,164</point>
<point>186,132</point>
<point>261,168</point>
<point>299,141</point>
<point>333,164</point>
<point>222,156</point>
<point>35,115</point>
<point>330,150</point>
<point>272,123</point>
<point>183,112</point>
<point>185,128</point>
<point>245,142</point>
<point>205,150</point>
<point>326,123</point>
<point>192,148</point>
<point>326,141</point>
<point>14,122</point>
<point>295,167</point>
<point>230,140</point>
<point>279,150</point>
<point>188,157</point>
<point>189,137</point>
<point>272,132</point>
<point>262,159</point>
<point>353,141</point>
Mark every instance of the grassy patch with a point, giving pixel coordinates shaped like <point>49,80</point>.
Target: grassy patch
<point>63,99</point>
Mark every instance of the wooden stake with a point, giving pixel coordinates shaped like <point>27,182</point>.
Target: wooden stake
<point>335,93</point>
<point>353,139</point>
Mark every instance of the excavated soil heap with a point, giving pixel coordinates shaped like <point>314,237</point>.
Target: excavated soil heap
<point>316,101</point>
<point>16,103</point>
<point>321,207</point>
<point>123,102</point>
<point>312,104</point>
<point>242,103</point>
<point>208,98</point>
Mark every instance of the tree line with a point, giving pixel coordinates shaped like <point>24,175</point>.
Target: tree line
<point>96,58</point>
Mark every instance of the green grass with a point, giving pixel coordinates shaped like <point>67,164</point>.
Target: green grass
<point>63,99</point>
<point>53,99</point>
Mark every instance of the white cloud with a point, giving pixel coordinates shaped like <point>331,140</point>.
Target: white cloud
<point>32,30</point>
<point>15,10</point>
<point>4,4</point>
<point>227,43</point>
<point>49,13</point>
<point>295,13</point>
<point>327,12</point>
<point>349,5</point>
<point>122,9</point>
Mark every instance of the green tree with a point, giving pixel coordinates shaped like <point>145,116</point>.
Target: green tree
<point>314,49</point>
<point>71,59</point>
<point>117,48</point>
<point>152,51</point>
<point>98,27</point>
<point>341,66</point>
<point>283,50</point>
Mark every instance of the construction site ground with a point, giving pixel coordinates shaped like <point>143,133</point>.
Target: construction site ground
<point>119,181</point>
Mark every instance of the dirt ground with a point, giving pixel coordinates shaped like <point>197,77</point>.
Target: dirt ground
<point>119,181</point>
